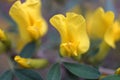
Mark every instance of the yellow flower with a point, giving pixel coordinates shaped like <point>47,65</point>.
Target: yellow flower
<point>113,34</point>
<point>29,19</point>
<point>72,29</point>
<point>98,23</point>
<point>31,63</point>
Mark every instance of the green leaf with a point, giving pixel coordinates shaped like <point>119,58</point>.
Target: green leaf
<point>54,72</point>
<point>27,74</point>
<point>82,70</point>
<point>28,50</point>
<point>8,75</point>
<point>112,77</point>
<point>70,76</point>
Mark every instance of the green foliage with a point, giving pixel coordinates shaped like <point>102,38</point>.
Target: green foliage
<point>28,50</point>
<point>112,77</point>
<point>8,75</point>
<point>54,72</point>
<point>70,76</point>
<point>26,74</point>
<point>83,71</point>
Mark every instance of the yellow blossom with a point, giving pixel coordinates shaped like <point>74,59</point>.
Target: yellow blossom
<point>113,34</point>
<point>99,22</point>
<point>72,29</point>
<point>28,17</point>
<point>31,63</point>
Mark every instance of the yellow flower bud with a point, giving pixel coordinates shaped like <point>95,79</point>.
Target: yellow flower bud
<point>31,63</point>
<point>72,29</point>
<point>22,61</point>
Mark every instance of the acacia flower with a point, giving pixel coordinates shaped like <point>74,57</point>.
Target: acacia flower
<point>30,63</point>
<point>28,17</point>
<point>72,29</point>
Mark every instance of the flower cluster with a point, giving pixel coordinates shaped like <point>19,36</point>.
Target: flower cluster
<point>76,34</point>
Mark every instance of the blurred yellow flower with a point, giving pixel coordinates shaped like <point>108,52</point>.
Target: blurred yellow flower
<point>31,63</point>
<point>99,22</point>
<point>72,29</point>
<point>30,22</point>
<point>113,34</point>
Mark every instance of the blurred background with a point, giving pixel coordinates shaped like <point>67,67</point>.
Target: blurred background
<point>50,42</point>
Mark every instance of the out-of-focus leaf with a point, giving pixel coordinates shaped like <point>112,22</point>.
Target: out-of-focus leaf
<point>27,74</point>
<point>54,72</point>
<point>112,77</point>
<point>82,70</point>
<point>71,76</point>
<point>8,75</point>
<point>28,50</point>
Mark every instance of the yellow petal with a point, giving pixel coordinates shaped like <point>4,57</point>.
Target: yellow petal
<point>33,8</point>
<point>113,34</point>
<point>20,16</point>
<point>99,22</point>
<point>59,22</point>
<point>109,18</point>
<point>76,28</point>
<point>31,63</point>
<point>33,32</point>
<point>22,61</point>
<point>41,25</point>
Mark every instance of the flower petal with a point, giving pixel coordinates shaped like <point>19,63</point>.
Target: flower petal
<point>113,34</point>
<point>99,22</point>
<point>19,15</point>
<point>77,33</point>
<point>33,8</point>
<point>59,22</point>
